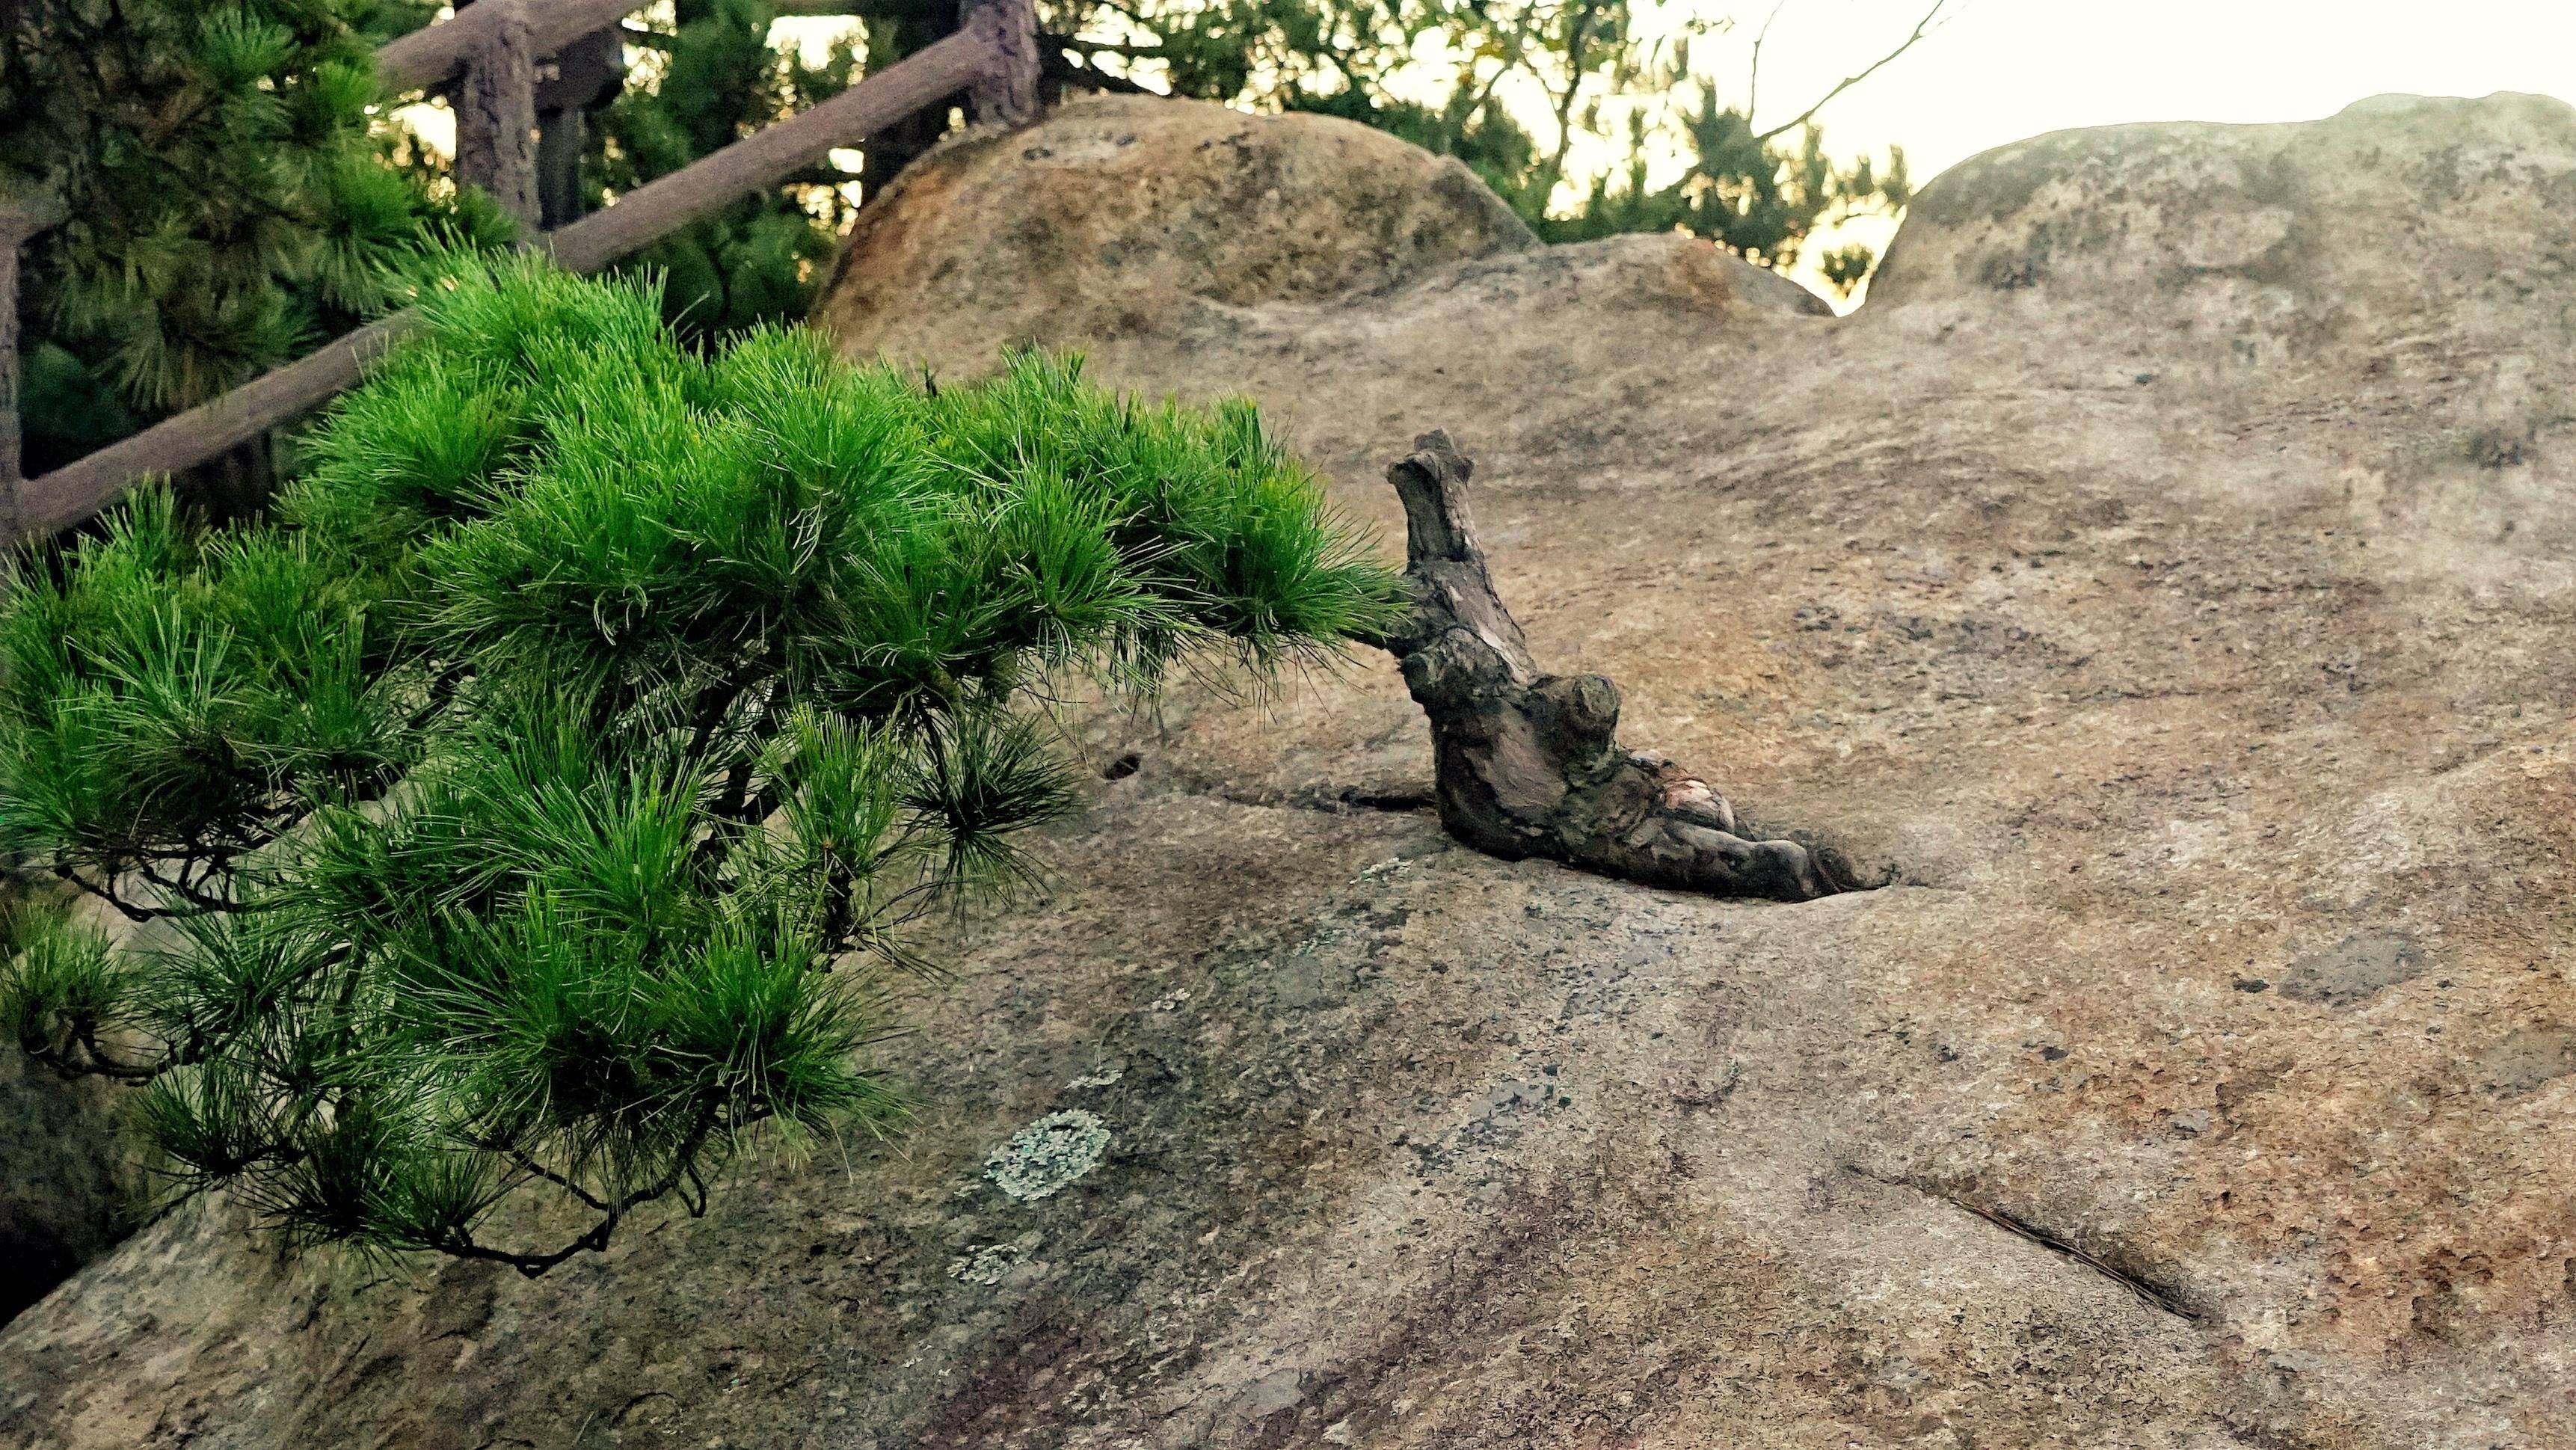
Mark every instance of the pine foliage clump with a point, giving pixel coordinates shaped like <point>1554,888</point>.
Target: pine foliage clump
<point>534,805</point>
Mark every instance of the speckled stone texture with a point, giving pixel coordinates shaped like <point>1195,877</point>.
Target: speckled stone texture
<point>67,1190</point>
<point>2173,568</point>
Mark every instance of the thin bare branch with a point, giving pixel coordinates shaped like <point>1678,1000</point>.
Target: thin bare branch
<point>461,1242</point>
<point>107,892</point>
<point>1922,28</point>
<point>1753,72</point>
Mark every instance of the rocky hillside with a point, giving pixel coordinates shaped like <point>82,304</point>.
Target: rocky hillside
<point>2172,569</point>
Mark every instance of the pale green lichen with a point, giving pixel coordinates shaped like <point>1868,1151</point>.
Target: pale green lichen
<point>1048,1154</point>
<point>992,1263</point>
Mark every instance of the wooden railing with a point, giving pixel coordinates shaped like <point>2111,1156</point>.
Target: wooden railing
<point>489,51</point>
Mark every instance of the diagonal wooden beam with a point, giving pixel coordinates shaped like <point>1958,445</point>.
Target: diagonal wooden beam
<point>941,69</point>
<point>79,489</point>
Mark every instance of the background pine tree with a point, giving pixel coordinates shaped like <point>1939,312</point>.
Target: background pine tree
<point>699,81</point>
<point>231,203</point>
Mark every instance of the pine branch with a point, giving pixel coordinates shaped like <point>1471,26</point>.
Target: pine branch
<point>461,1242</point>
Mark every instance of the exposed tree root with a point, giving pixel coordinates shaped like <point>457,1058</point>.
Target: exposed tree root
<point>1528,764</point>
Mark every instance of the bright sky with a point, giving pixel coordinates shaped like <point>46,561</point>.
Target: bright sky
<point>2003,70</point>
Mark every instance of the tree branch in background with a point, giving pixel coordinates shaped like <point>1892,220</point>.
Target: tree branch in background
<point>1061,63</point>
<point>1577,33</point>
<point>1922,28</point>
<point>1753,70</point>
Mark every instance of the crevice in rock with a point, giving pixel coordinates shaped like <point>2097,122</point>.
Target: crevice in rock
<point>1398,800</point>
<point>2146,1290</point>
<point>1323,796</point>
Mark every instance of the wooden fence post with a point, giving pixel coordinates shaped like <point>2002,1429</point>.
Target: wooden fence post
<point>496,116</point>
<point>1006,92</point>
<point>577,79</point>
<point>18,222</point>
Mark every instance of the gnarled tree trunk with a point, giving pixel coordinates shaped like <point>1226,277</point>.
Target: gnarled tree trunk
<point>1529,764</point>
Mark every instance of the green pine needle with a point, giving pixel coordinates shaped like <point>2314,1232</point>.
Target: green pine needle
<point>543,795</point>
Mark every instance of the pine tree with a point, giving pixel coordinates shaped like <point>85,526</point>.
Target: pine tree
<point>538,801</point>
<point>230,200</point>
<point>708,77</point>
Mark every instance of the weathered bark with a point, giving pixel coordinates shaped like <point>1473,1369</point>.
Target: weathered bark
<point>1528,764</point>
<point>1006,93</point>
<point>496,114</point>
<point>19,220</point>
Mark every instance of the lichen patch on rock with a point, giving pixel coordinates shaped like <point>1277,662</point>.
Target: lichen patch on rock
<point>1048,1155</point>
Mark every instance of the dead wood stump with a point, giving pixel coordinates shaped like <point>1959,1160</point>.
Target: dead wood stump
<point>1529,764</point>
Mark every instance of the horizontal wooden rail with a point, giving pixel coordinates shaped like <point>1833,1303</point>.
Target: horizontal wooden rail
<point>658,208</point>
<point>433,54</point>
<point>52,502</point>
<point>965,61</point>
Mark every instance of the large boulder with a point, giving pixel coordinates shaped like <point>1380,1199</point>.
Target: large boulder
<point>2271,243</point>
<point>1112,212</point>
<point>2209,1080</point>
<point>1126,219</point>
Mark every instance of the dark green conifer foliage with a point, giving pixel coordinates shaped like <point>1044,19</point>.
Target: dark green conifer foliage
<point>535,805</point>
<point>709,77</point>
<point>229,205</point>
